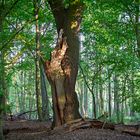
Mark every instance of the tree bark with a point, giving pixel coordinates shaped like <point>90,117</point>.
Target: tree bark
<point>137,26</point>
<point>37,61</point>
<point>62,69</point>
<point>81,97</point>
<point>101,92</point>
<point>45,100</point>
<point>3,92</point>
<point>132,89</point>
<point>116,98</point>
<point>85,101</point>
<point>94,106</point>
<point>1,112</point>
<point>109,95</point>
<point>123,99</point>
<point>3,87</point>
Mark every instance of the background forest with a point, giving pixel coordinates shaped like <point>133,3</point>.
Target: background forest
<point>109,69</point>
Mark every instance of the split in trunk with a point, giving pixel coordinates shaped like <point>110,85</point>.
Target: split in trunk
<point>62,69</point>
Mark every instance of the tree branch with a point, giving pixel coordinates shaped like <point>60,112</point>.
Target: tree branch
<point>13,5</point>
<point>13,36</point>
<point>86,82</point>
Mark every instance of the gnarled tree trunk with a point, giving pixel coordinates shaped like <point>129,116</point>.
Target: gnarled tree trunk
<point>62,69</point>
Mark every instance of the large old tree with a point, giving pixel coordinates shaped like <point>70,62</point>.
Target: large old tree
<point>62,68</point>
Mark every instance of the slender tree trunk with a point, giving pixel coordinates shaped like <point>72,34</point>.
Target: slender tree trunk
<point>137,26</point>
<point>45,100</point>
<point>37,61</point>
<point>94,106</point>
<point>62,69</point>
<point>85,101</point>
<point>101,93</point>
<point>2,93</point>
<point>116,98</point>
<point>94,93</point>
<point>30,95</point>
<point>2,73</point>
<point>1,110</point>
<point>132,90</point>
<point>24,91</point>
<point>80,93</point>
<point>109,96</point>
<point>4,83</point>
<point>123,99</point>
<point>21,101</point>
<point>96,110</point>
<point>30,104</point>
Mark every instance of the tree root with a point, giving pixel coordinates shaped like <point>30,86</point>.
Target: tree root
<point>133,130</point>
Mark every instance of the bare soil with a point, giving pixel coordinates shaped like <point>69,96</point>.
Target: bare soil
<point>35,130</point>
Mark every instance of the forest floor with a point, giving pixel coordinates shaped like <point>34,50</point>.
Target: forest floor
<point>35,130</point>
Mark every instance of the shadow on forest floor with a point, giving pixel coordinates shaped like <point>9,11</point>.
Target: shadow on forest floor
<point>34,130</point>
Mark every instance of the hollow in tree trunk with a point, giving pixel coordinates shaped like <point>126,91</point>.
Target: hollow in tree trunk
<point>62,69</point>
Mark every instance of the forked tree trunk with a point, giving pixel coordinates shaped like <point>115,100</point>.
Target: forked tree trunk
<point>62,69</point>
